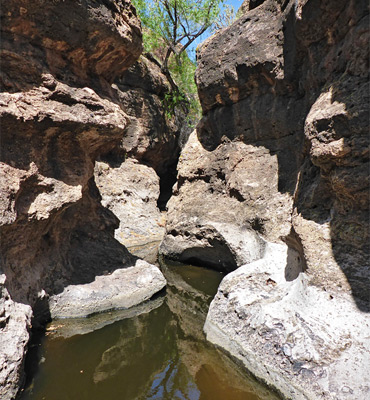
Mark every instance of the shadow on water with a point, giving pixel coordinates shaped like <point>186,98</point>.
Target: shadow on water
<point>155,351</point>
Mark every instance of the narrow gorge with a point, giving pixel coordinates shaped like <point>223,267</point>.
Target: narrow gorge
<point>271,190</point>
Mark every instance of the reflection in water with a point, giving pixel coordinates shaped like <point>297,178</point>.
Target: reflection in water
<point>157,352</point>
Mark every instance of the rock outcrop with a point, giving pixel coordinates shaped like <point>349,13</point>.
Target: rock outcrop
<point>62,107</point>
<point>131,191</point>
<point>124,288</point>
<point>276,180</point>
<point>15,324</point>
<point>136,178</point>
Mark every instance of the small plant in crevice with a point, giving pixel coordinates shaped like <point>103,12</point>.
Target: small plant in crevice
<point>172,101</point>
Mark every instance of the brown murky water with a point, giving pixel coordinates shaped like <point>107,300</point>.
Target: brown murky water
<point>156,351</point>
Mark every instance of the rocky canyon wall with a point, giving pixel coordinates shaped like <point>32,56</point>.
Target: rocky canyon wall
<point>136,179</point>
<point>275,181</point>
<point>75,90</point>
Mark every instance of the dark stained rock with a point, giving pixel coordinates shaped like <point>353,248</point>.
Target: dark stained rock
<point>15,324</point>
<point>59,113</point>
<point>152,139</point>
<point>75,41</point>
<point>279,82</point>
<point>281,156</point>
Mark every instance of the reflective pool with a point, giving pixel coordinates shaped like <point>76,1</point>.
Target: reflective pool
<point>154,351</point>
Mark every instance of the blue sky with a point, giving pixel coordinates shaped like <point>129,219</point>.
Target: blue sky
<point>234,3</point>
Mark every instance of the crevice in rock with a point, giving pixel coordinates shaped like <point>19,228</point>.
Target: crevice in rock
<point>257,224</point>
<point>236,194</point>
<point>166,181</point>
<point>217,257</point>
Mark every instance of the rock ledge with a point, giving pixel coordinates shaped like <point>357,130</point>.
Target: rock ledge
<point>124,288</point>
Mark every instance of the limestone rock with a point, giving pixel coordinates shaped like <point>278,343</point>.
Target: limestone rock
<point>124,288</point>
<point>69,327</point>
<point>224,203</point>
<point>131,191</point>
<point>301,340</point>
<point>189,305</point>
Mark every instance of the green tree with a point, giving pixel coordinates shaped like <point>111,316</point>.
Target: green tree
<point>228,16</point>
<point>170,28</point>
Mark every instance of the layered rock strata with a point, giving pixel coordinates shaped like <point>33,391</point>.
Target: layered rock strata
<point>61,65</point>
<point>276,180</point>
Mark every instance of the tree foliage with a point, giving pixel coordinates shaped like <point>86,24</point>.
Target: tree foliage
<point>170,28</point>
<point>226,18</point>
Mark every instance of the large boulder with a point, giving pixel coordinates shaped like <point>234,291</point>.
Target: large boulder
<point>124,288</point>
<point>223,204</point>
<point>276,180</point>
<point>292,335</point>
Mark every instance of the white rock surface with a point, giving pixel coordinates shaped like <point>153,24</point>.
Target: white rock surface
<point>292,335</point>
<point>124,288</point>
<point>131,191</point>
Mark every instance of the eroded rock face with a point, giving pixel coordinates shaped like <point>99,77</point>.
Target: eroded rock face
<point>59,112</point>
<point>296,337</point>
<point>15,324</point>
<point>131,191</point>
<point>153,138</point>
<point>54,128</point>
<point>76,42</point>
<point>281,159</point>
<point>136,178</point>
<point>224,203</point>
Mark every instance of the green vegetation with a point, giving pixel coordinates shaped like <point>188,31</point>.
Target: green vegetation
<point>170,28</point>
<point>228,16</point>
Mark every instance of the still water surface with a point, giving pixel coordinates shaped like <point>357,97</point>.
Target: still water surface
<point>156,351</point>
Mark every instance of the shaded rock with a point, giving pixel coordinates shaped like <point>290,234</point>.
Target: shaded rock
<point>124,288</point>
<point>48,170</point>
<point>52,131</point>
<point>131,192</point>
<point>15,324</point>
<point>147,252</point>
<point>154,138</point>
<point>82,326</point>
<point>136,178</point>
<point>58,113</point>
<point>335,232</point>
<point>226,203</point>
